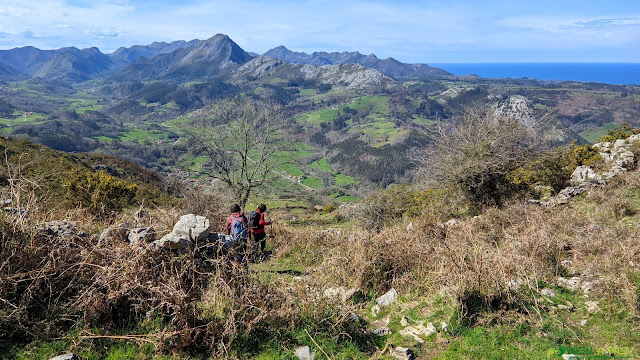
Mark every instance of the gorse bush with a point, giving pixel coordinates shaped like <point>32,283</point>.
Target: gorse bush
<point>620,132</point>
<point>98,191</point>
<point>585,155</point>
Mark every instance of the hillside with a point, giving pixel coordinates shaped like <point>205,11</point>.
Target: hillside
<point>407,273</point>
<point>56,180</point>
<point>8,73</point>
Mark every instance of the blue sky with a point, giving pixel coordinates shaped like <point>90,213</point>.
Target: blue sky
<point>410,31</point>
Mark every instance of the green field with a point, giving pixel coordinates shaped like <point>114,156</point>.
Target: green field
<point>308,92</point>
<point>383,131</point>
<point>343,198</point>
<point>104,138</point>
<point>194,163</point>
<point>344,180</point>
<point>139,135</point>
<point>33,119</point>
<point>313,183</point>
<point>277,80</point>
<point>423,121</point>
<point>253,203</point>
<point>379,127</point>
<point>176,123</point>
<point>315,118</point>
<point>340,179</point>
<point>290,169</point>
<point>593,135</point>
<point>321,165</point>
<point>83,105</point>
<point>374,104</point>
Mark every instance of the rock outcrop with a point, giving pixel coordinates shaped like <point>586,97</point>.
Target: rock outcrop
<point>617,155</point>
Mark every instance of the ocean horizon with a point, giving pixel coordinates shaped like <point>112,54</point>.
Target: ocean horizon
<point>608,73</point>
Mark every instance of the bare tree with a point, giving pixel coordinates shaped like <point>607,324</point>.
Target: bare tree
<point>473,154</point>
<point>239,138</point>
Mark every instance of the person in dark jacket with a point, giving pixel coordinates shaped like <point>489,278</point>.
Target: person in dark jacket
<point>258,232</point>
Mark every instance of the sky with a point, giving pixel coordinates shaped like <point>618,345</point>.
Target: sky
<point>411,31</point>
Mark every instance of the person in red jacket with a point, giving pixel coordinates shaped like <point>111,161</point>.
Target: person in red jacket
<point>258,231</point>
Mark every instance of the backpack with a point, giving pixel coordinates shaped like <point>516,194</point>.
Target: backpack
<point>254,219</point>
<point>238,229</point>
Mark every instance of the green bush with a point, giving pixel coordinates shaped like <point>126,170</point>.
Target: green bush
<point>585,155</point>
<point>621,132</point>
<point>98,191</point>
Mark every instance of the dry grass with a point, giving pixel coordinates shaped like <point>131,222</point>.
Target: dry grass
<point>499,260</point>
<point>49,285</point>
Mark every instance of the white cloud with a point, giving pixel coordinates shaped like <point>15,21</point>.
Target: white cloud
<point>104,32</point>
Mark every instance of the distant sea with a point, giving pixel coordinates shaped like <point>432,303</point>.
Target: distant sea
<point>608,73</point>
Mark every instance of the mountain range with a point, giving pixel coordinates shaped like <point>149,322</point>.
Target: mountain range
<point>390,66</point>
<point>197,59</point>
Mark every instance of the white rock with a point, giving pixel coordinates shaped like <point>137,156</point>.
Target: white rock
<point>304,353</point>
<point>444,326</point>
<point>548,292</point>
<point>381,331</point>
<point>192,227</point>
<point>566,263</point>
<point>429,330</point>
<point>452,222</point>
<point>341,293</point>
<point>404,321</point>
<point>172,241</point>
<point>515,284</point>
<point>591,306</point>
<point>119,231</point>
<point>413,332</point>
<point>387,299</point>
<point>375,310</point>
<point>619,144</point>
<point>569,357</point>
<point>633,138</point>
<point>69,356</point>
<point>584,322</point>
<point>583,173</point>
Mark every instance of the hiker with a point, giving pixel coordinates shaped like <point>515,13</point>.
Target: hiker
<point>237,226</point>
<point>257,224</point>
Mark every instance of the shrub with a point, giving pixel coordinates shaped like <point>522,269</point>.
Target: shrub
<point>475,154</point>
<point>98,191</point>
<point>619,132</point>
<point>585,155</point>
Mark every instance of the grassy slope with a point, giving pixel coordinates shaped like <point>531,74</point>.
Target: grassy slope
<point>600,240</point>
<point>593,135</point>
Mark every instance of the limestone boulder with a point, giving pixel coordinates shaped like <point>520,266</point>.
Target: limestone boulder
<point>173,241</point>
<point>192,227</point>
